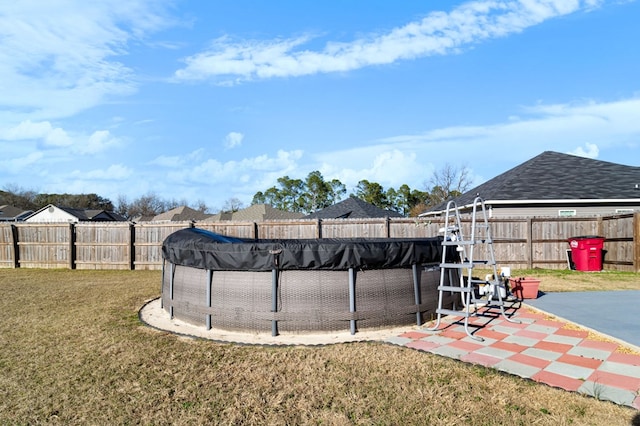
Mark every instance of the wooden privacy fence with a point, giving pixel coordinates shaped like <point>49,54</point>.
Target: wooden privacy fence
<point>518,242</point>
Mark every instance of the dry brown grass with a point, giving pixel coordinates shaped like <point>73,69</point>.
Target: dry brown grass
<point>73,352</point>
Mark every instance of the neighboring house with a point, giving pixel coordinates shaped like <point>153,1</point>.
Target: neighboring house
<point>179,214</point>
<point>256,213</point>
<point>352,208</point>
<point>558,185</point>
<point>13,214</point>
<point>51,213</point>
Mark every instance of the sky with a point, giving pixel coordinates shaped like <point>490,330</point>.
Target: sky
<point>208,101</point>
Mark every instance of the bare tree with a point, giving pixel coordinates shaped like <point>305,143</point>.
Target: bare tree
<point>449,182</point>
<point>17,196</point>
<point>232,205</point>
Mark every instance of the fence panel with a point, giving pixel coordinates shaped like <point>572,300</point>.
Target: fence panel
<point>511,243</point>
<point>549,239</point>
<point>289,229</point>
<point>148,242</point>
<point>45,245</point>
<point>104,245</point>
<point>414,227</point>
<point>354,228</point>
<point>8,246</point>
<point>231,229</point>
<point>518,242</point>
<point>619,250</point>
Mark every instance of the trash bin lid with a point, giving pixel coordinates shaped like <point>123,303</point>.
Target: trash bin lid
<point>586,237</point>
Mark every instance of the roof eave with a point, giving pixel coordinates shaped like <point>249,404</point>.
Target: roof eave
<point>552,201</point>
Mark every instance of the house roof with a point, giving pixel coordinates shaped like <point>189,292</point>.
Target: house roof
<point>552,176</point>
<point>11,213</point>
<point>352,208</point>
<point>82,214</point>
<point>182,213</point>
<point>256,213</point>
<point>260,212</point>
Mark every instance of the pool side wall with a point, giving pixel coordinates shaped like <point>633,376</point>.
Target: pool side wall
<point>308,300</point>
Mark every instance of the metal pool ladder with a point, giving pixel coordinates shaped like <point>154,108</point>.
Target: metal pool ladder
<point>464,261</point>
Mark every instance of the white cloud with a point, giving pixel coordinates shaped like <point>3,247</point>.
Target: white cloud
<point>57,58</point>
<point>20,164</point>
<point>438,33</point>
<point>589,150</point>
<point>388,166</point>
<point>56,137</point>
<point>114,172</point>
<point>491,149</point>
<point>41,130</point>
<point>167,161</point>
<point>175,161</point>
<point>99,141</point>
<point>212,171</point>
<point>27,130</point>
<point>233,140</point>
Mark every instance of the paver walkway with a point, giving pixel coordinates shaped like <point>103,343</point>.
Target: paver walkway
<point>542,348</point>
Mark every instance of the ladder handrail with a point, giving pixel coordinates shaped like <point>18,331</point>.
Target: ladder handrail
<point>453,233</point>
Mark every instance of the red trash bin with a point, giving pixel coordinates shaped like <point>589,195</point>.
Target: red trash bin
<point>586,252</point>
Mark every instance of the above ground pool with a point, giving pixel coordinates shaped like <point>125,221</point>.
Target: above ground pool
<point>299,286</point>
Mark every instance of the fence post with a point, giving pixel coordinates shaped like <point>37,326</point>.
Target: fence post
<point>72,246</point>
<point>529,243</point>
<point>15,246</point>
<point>132,246</point>
<point>636,242</point>
<point>319,228</point>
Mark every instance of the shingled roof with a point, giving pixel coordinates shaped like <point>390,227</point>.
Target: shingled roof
<point>352,208</point>
<point>552,176</point>
<point>256,213</point>
<point>182,213</point>
<point>12,213</point>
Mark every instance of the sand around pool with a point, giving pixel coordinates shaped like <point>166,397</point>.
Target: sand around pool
<point>153,315</point>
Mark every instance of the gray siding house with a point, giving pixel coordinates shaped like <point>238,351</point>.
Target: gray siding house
<point>556,185</point>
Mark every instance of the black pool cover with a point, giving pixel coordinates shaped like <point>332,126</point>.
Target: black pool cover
<point>202,249</point>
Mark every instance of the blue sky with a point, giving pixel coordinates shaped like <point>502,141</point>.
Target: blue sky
<point>213,100</point>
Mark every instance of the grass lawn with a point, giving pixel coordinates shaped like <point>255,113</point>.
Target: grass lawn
<point>72,351</point>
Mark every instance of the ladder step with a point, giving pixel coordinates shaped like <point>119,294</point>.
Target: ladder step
<point>452,312</point>
<point>457,243</point>
<point>466,265</point>
<point>449,229</point>
<point>466,242</point>
<point>490,282</point>
<point>455,289</point>
<point>456,265</point>
<point>493,302</point>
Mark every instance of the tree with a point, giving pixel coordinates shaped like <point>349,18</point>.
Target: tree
<point>146,205</point>
<point>448,182</point>
<point>232,205</point>
<point>320,193</point>
<point>18,197</point>
<point>372,193</point>
<point>202,207</point>
<point>405,199</point>
<point>75,201</point>
<point>306,196</point>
